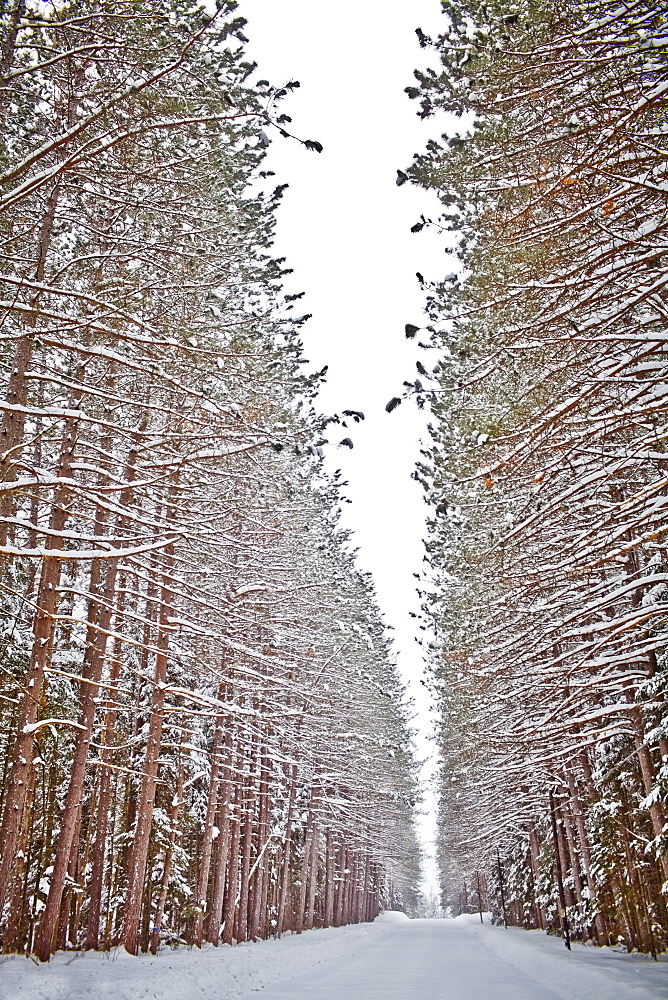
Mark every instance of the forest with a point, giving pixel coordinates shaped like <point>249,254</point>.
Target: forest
<point>545,472</point>
<point>203,733</point>
<point>205,737</point>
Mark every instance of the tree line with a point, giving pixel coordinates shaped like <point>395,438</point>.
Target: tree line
<point>203,733</point>
<point>545,592</point>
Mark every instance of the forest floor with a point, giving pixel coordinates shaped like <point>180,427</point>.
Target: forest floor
<point>392,959</point>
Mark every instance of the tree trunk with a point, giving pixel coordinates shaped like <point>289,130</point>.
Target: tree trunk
<point>233,867</point>
<point>340,889</point>
<point>255,915</point>
<point>207,834</point>
<point>328,918</point>
<point>573,857</point>
<point>139,850</point>
<point>303,887</point>
<point>13,417</point>
<point>12,936</point>
<point>534,855</point>
<point>578,814</point>
<point>97,642</point>
<point>248,803</point>
<point>287,842</point>
<point>9,46</point>
<point>215,917</point>
<point>100,845</point>
<point>312,877</point>
<point>40,657</point>
<point>563,856</point>
<point>648,773</point>
<point>174,812</point>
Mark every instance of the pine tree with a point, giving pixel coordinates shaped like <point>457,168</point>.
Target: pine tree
<point>193,667</point>
<point>545,471</point>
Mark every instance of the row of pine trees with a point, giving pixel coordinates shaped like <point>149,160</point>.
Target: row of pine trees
<point>546,596</point>
<point>202,734</point>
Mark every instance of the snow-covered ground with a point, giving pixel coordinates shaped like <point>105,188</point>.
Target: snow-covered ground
<point>393,959</point>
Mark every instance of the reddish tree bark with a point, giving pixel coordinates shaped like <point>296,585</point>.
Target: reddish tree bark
<point>139,850</point>
<point>168,862</point>
<point>207,833</point>
<point>328,917</point>
<point>100,845</point>
<point>100,620</point>
<point>43,632</point>
<point>233,868</point>
<point>215,916</point>
<point>285,868</point>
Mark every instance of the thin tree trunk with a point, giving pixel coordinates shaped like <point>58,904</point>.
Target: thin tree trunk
<point>9,47</point>
<point>255,915</point>
<point>207,834</point>
<point>168,863</point>
<point>365,893</point>
<point>287,844</point>
<point>100,845</point>
<point>40,657</point>
<point>233,868</point>
<point>248,808</point>
<point>534,855</point>
<point>215,917</point>
<point>578,813</point>
<point>312,877</point>
<point>351,866</point>
<point>139,850</point>
<point>97,643</point>
<point>329,880</point>
<point>13,418</point>
<point>12,935</point>
<point>340,889</point>
<point>634,896</point>
<point>573,857</point>
<point>301,906</point>
<point>563,856</point>
<point>648,773</point>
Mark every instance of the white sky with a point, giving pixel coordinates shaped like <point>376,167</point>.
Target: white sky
<point>344,227</point>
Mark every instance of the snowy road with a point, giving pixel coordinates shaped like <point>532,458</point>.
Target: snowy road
<point>430,959</point>
<point>461,960</point>
<point>393,958</point>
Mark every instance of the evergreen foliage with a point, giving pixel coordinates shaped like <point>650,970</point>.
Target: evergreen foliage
<point>202,730</point>
<point>546,471</point>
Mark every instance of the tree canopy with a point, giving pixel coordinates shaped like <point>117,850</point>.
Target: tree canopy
<point>202,727</point>
<point>546,469</point>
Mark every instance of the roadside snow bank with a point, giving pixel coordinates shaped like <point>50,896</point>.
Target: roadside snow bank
<point>584,972</point>
<point>185,974</point>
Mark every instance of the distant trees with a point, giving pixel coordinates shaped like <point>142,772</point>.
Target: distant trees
<point>201,727</point>
<point>546,472</point>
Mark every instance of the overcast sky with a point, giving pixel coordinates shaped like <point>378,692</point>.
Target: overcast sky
<point>344,227</point>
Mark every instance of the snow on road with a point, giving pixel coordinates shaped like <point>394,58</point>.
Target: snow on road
<point>460,960</point>
<point>395,958</point>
